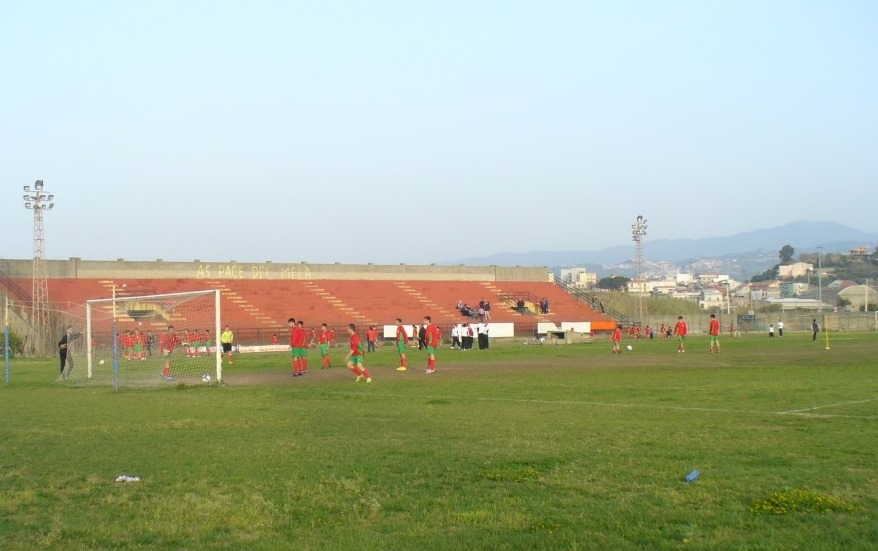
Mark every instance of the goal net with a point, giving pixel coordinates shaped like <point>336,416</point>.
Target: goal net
<point>144,341</point>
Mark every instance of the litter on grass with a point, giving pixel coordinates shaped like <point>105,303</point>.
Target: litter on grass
<point>127,478</point>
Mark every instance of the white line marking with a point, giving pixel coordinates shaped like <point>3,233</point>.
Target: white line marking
<point>828,406</point>
<point>805,413</point>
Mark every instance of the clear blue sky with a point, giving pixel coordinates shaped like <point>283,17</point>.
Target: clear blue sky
<point>422,132</point>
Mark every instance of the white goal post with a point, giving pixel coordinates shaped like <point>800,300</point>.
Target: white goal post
<point>150,340</point>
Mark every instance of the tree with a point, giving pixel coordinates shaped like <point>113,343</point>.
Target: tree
<point>613,283</point>
<point>786,254</point>
<point>767,275</point>
<point>16,344</point>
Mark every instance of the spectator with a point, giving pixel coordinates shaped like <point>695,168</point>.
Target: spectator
<point>455,337</point>
<point>371,337</point>
<point>422,335</point>
<point>467,336</point>
<point>482,329</point>
<point>487,310</point>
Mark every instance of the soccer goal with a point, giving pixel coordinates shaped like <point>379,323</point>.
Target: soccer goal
<point>145,341</point>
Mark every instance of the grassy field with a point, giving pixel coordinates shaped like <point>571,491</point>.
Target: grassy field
<point>518,447</point>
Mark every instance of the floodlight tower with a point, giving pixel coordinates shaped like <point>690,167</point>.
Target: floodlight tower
<point>638,231</point>
<point>38,200</point>
<point>819,280</point>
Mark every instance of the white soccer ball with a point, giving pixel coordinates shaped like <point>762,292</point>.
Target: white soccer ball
<point>205,378</point>
<point>101,362</point>
<point>629,347</point>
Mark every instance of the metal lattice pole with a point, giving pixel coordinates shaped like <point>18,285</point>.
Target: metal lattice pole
<point>638,231</point>
<point>38,200</point>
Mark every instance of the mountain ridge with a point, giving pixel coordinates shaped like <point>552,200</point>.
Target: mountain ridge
<point>803,236</point>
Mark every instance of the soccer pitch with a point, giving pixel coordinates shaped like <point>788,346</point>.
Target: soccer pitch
<point>517,447</point>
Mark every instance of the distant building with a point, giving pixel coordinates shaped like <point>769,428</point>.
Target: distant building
<point>764,290</point>
<point>860,252</point>
<point>799,304</point>
<point>794,270</point>
<point>711,298</point>
<point>579,277</point>
<point>663,287</point>
<point>859,296</point>
<point>684,279</point>
<point>708,278</point>
<point>792,289</point>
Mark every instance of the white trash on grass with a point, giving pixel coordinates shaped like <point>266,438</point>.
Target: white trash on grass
<point>127,478</point>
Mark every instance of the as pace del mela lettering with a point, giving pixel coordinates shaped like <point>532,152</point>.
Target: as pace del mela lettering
<point>251,271</point>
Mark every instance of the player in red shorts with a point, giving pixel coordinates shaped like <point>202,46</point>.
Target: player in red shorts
<point>617,339</point>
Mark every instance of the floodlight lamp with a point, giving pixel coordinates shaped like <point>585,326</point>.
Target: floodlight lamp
<point>27,205</point>
<point>51,206</point>
<point>38,184</point>
<point>27,188</point>
<point>26,197</point>
<point>50,197</point>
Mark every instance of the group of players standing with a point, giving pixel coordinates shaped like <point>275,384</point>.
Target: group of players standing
<point>355,358</point>
<point>681,329</point>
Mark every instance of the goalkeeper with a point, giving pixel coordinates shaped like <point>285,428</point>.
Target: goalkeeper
<point>63,347</point>
<point>226,339</point>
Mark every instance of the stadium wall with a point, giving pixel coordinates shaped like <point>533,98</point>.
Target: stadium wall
<point>77,268</point>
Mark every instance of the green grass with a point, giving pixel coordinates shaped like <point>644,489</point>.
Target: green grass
<point>519,447</point>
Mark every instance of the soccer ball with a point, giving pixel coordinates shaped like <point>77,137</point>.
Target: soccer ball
<point>205,378</point>
<point>101,362</point>
<point>629,347</point>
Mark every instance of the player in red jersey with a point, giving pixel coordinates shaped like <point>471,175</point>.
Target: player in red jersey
<point>295,341</point>
<point>713,333</point>
<point>126,344</point>
<point>431,340</point>
<point>402,340</point>
<point>167,342</point>
<point>324,337</point>
<point>354,358</point>
<point>680,330</point>
<point>617,339</point>
<point>303,348</point>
